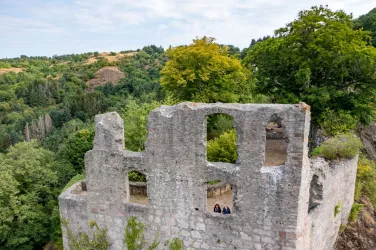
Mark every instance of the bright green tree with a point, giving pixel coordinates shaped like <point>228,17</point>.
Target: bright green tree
<point>223,148</point>
<point>204,72</point>
<point>319,59</point>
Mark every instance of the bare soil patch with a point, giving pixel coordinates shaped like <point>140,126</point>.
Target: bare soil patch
<point>17,70</point>
<point>106,74</point>
<point>109,58</point>
<point>139,199</point>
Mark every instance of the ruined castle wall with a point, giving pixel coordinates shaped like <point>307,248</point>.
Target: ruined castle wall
<point>336,181</point>
<point>270,204</point>
<point>73,208</point>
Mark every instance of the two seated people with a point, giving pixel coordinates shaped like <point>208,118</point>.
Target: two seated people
<point>226,210</point>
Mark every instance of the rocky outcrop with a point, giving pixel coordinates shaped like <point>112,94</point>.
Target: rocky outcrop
<point>368,138</point>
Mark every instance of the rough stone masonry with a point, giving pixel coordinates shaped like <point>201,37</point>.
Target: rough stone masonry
<point>291,206</point>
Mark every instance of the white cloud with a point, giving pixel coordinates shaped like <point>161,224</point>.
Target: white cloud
<point>162,22</point>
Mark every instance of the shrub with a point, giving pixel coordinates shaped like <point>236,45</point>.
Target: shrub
<point>113,53</point>
<point>6,96</point>
<point>135,176</point>
<point>223,148</point>
<point>341,146</point>
<point>4,65</point>
<point>98,240</point>
<point>213,182</point>
<point>355,209</point>
<point>134,236</point>
<point>340,122</point>
<point>175,244</point>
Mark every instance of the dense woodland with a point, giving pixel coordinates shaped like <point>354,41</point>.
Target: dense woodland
<point>324,58</point>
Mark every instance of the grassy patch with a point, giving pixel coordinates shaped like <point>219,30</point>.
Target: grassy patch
<point>366,180</point>
<point>355,209</point>
<point>213,182</point>
<point>343,146</point>
<point>74,180</point>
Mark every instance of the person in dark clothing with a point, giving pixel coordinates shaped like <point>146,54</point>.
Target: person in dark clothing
<point>226,210</point>
<point>217,208</point>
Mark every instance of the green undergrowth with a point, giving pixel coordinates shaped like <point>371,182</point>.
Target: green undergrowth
<point>135,176</point>
<point>355,209</point>
<point>97,241</point>
<point>175,244</point>
<point>134,237</point>
<point>223,148</point>
<point>213,182</point>
<point>366,180</point>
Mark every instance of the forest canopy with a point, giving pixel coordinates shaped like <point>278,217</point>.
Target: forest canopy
<point>320,59</point>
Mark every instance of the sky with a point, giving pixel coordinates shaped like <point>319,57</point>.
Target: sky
<point>46,28</point>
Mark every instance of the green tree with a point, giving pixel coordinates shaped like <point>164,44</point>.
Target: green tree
<point>368,22</point>
<point>319,59</point>
<point>204,72</point>
<point>223,148</point>
<point>135,119</point>
<point>74,148</point>
<point>27,196</point>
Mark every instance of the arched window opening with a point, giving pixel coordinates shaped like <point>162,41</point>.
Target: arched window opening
<point>138,188</point>
<point>315,193</point>
<point>221,138</point>
<point>276,142</point>
<point>221,194</point>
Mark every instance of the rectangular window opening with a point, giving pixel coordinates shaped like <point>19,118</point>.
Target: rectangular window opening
<point>219,197</point>
<point>138,188</point>
<point>221,138</point>
<point>276,143</point>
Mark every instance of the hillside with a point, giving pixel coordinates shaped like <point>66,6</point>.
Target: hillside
<point>47,107</point>
<point>110,57</point>
<point>36,86</point>
<point>7,70</point>
<point>360,234</point>
<point>108,74</point>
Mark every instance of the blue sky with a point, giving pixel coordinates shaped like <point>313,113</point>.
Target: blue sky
<point>36,27</point>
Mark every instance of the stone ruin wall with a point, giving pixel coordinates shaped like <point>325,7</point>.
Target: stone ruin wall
<point>270,204</point>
